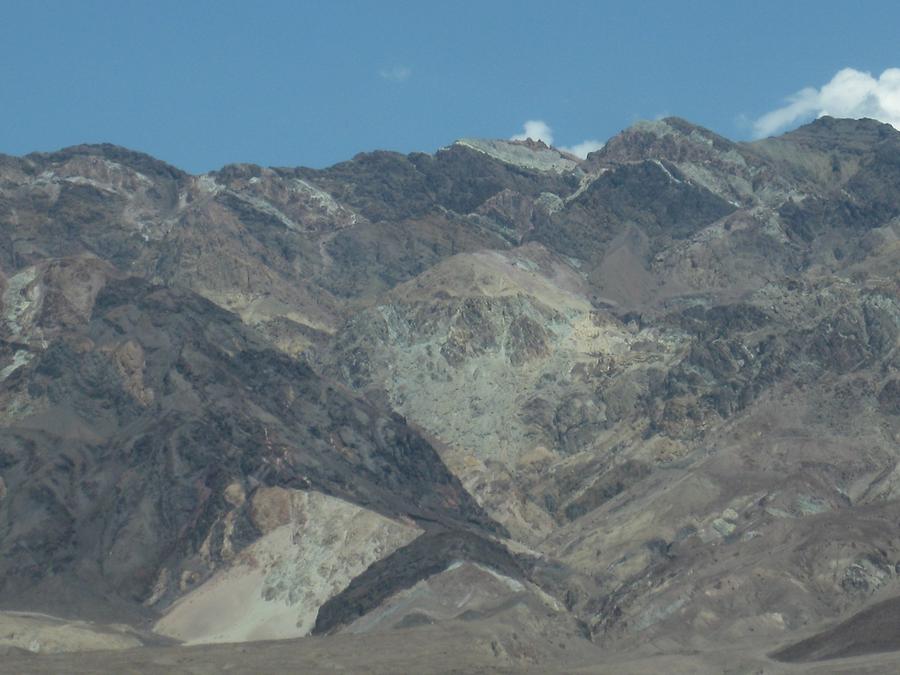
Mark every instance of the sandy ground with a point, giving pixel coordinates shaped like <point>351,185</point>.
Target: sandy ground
<point>451,648</point>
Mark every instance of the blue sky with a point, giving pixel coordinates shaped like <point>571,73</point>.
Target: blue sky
<point>202,84</point>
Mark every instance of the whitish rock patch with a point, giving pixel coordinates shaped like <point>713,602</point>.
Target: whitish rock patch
<point>21,301</point>
<point>518,154</point>
<point>314,546</point>
<point>44,634</point>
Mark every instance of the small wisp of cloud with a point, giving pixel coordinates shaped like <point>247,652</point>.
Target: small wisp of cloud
<point>396,73</point>
<point>850,93</point>
<point>539,130</point>
<point>536,130</point>
<point>584,148</point>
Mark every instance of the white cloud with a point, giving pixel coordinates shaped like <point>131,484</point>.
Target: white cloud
<point>396,73</point>
<point>536,130</point>
<point>851,93</point>
<point>582,149</point>
<point>539,130</point>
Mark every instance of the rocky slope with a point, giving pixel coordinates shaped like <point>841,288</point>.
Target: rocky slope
<point>141,424</point>
<point>651,395</point>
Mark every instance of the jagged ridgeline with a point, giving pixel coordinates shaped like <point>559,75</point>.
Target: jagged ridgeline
<point>565,407</point>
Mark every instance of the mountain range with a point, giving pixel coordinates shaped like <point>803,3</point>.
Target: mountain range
<point>631,413</point>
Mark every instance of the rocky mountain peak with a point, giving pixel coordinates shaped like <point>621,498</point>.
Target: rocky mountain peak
<point>528,154</point>
<point>842,133</point>
<point>671,139</point>
<point>136,161</point>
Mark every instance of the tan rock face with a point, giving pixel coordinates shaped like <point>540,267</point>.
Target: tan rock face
<point>129,360</point>
<point>235,494</point>
<point>271,507</point>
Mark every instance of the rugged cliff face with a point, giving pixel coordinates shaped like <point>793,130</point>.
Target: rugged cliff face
<point>655,392</point>
<point>137,422</point>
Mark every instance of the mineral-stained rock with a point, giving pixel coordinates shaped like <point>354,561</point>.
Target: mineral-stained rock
<point>646,398</point>
<point>107,484</point>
